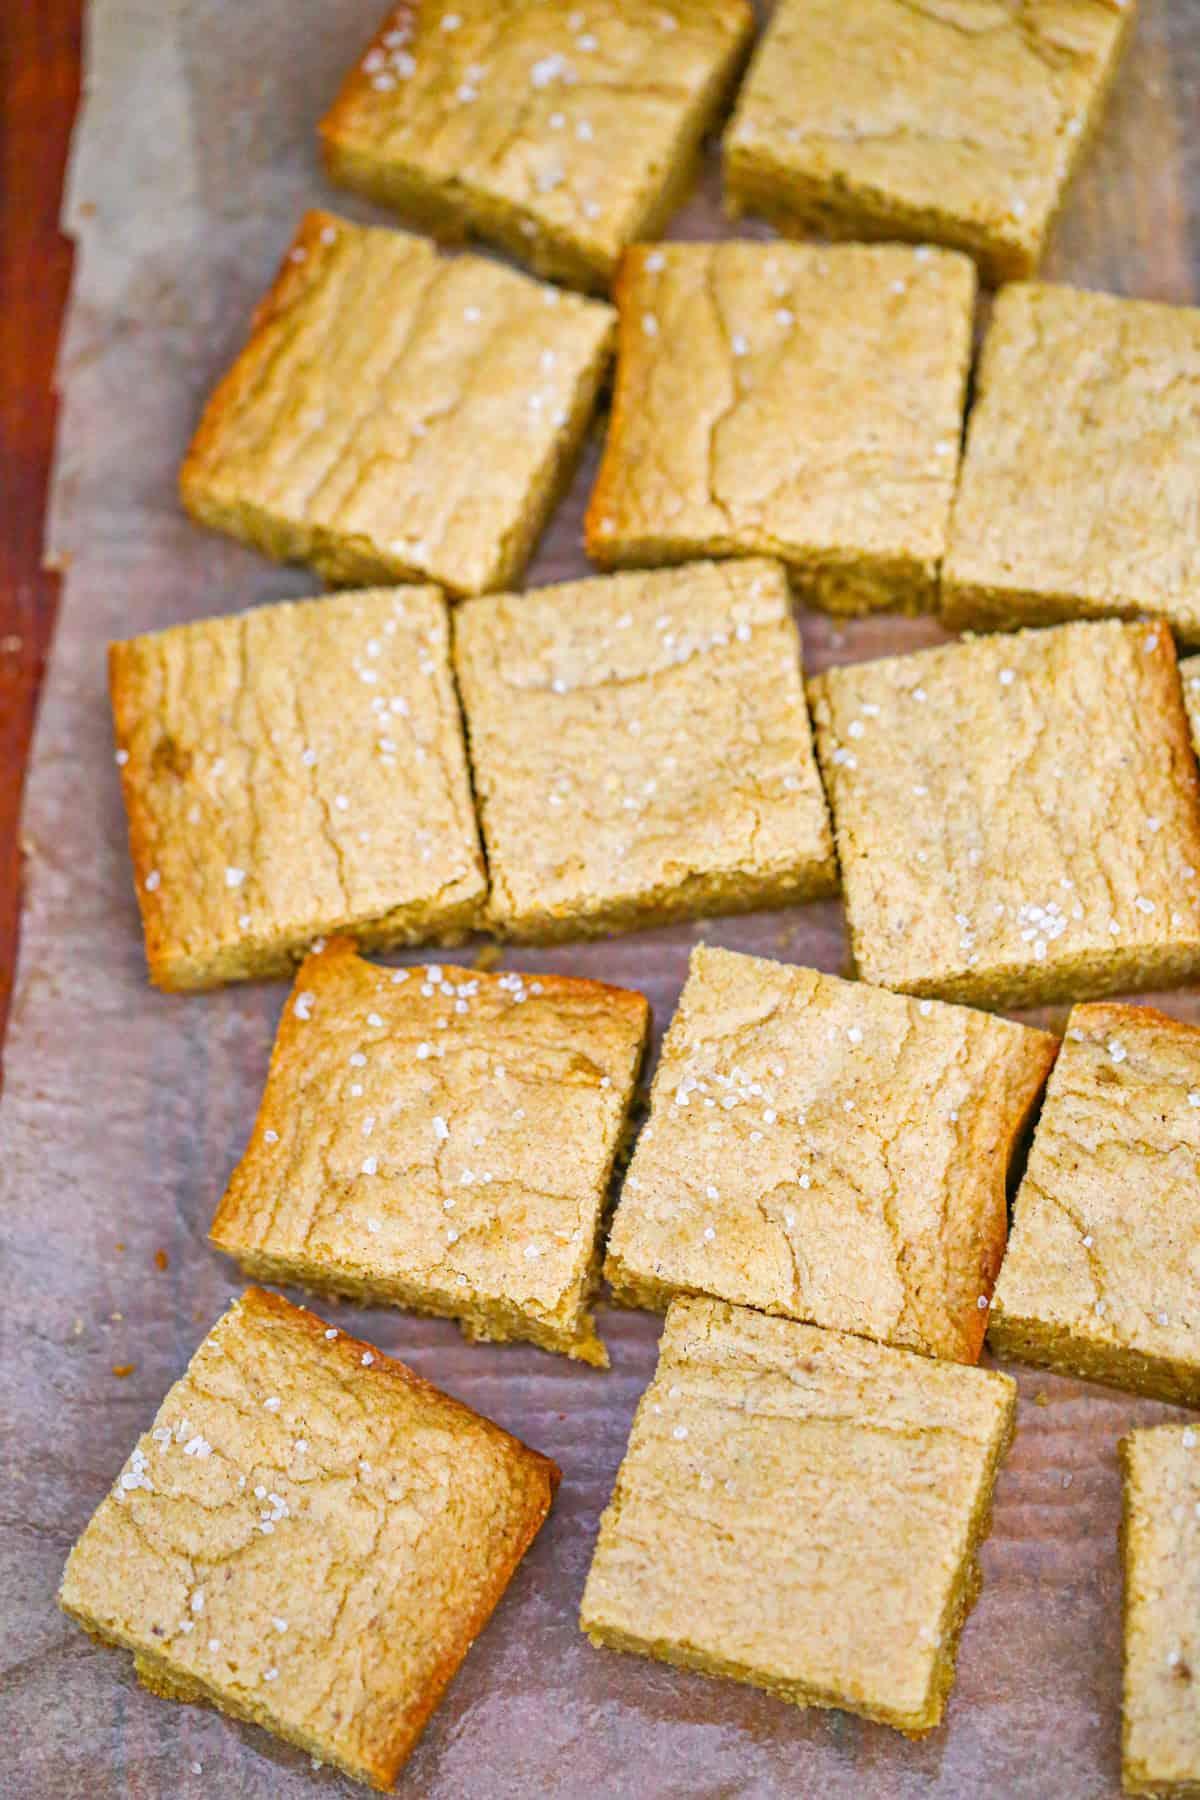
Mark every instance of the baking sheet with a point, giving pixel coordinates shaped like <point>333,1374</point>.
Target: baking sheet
<point>125,1110</point>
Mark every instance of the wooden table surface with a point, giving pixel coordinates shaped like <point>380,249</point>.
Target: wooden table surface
<point>39,87</point>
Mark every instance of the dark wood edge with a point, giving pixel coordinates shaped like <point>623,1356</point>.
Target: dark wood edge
<point>40,47</point>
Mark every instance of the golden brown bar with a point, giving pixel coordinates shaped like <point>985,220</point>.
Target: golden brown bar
<point>309,1538</point>
<point>829,1151</point>
<point>359,429</point>
<point>802,1511</point>
<point>791,401</point>
<point>294,771</point>
<point>1082,464</point>
<point>441,1139</point>
<point>560,134</point>
<point>1100,1276</point>
<point>1017,818</point>
<point>955,125</point>
<point>1160,1538</point>
<point>604,804</point>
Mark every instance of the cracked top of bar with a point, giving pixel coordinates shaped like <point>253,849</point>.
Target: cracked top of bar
<point>309,1537</point>
<point>801,1509</point>
<point>788,400</point>
<point>1017,817</point>
<point>1103,1262</point>
<point>294,771</point>
<point>561,133</point>
<point>603,805</point>
<point>440,1138</point>
<point>829,1151</point>
<point>1079,482</point>
<point>398,415</point>
<point>954,124</point>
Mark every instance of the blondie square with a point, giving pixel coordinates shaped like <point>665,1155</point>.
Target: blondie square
<point>641,750</point>
<point>562,135</point>
<point>829,1151</point>
<point>293,771</point>
<point>1102,1265</point>
<point>443,1140</point>
<point>792,401</point>
<point>1160,1537</point>
<point>1017,818</point>
<point>1082,465</point>
<point>310,1537</point>
<point>802,1511</point>
<point>397,414</point>
<point>954,124</point>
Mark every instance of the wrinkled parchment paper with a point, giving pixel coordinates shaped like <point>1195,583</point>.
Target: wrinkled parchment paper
<point>125,1109</point>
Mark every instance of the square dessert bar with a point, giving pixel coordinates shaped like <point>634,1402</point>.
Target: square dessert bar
<point>1082,464</point>
<point>801,1510</point>
<point>792,401</point>
<point>310,1538</point>
<point>398,414</point>
<point>641,750</point>
<point>1160,1538</point>
<point>829,1151</point>
<point>1100,1276</point>
<point>562,135</point>
<point>441,1139</point>
<point>1017,818</point>
<point>293,771</point>
<point>957,125</point>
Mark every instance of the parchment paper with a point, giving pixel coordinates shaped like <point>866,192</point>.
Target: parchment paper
<point>125,1110</point>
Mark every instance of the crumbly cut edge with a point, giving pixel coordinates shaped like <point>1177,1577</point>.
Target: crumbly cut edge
<point>912,1725</point>
<point>961,1599</point>
<point>841,208</point>
<point>544,1477</point>
<point>264,956</point>
<point>1052,1346</point>
<point>175,970</point>
<point>455,210</point>
<point>849,584</point>
<point>968,605</point>
<point>340,559</point>
<point>641,1289</point>
<point>798,206</point>
<point>570,1330</point>
<point>845,582</point>
<point>1089,975</point>
<point>1135,1777</point>
<point>701,895</point>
